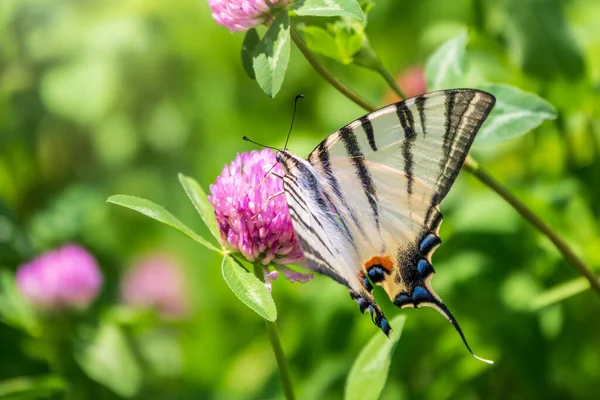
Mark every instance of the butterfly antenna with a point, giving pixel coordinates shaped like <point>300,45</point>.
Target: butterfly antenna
<point>446,312</point>
<point>247,139</point>
<point>300,96</point>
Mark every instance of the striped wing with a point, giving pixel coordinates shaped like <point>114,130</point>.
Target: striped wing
<point>377,183</point>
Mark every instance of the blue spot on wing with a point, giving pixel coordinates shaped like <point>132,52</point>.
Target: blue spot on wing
<point>401,299</point>
<point>428,243</point>
<point>424,268</point>
<point>385,326</point>
<point>376,273</point>
<point>421,294</point>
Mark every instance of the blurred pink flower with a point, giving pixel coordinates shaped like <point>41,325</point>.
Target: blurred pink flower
<point>64,278</point>
<point>250,222</point>
<point>156,282</point>
<point>411,82</point>
<point>241,15</point>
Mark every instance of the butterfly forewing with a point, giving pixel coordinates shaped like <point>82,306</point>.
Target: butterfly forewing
<point>365,205</point>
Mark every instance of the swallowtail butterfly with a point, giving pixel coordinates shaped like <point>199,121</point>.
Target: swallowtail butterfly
<point>365,204</point>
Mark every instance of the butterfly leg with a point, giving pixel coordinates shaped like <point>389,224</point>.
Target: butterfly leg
<point>266,202</point>
<point>269,172</point>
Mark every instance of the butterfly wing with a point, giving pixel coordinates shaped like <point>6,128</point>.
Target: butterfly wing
<point>325,232</point>
<point>379,180</point>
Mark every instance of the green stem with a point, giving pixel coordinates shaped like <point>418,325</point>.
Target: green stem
<point>473,167</point>
<point>390,81</point>
<point>345,90</point>
<point>470,165</point>
<point>286,380</point>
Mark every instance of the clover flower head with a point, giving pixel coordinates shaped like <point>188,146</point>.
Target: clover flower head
<point>252,212</point>
<point>241,15</point>
<point>67,277</point>
<point>155,281</point>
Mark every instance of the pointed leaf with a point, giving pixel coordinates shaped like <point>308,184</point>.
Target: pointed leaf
<point>200,201</point>
<point>560,292</point>
<point>32,387</point>
<point>516,112</point>
<point>369,372</point>
<point>272,55</point>
<point>158,213</point>
<point>329,8</point>
<point>446,68</point>
<point>109,360</point>
<point>14,308</point>
<point>248,48</point>
<point>249,289</point>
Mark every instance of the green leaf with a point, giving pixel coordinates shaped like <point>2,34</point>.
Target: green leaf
<point>272,55</point>
<point>329,8</point>
<point>251,40</point>
<point>14,309</point>
<point>200,201</point>
<point>321,42</point>
<point>538,36</point>
<point>446,67</point>
<point>369,372</point>
<point>33,387</point>
<point>560,293</point>
<point>340,41</point>
<point>249,289</point>
<point>158,213</point>
<point>109,360</point>
<point>516,112</point>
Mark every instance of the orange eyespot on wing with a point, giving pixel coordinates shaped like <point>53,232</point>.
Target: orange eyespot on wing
<point>384,261</point>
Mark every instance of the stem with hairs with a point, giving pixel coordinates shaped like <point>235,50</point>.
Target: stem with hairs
<point>470,165</point>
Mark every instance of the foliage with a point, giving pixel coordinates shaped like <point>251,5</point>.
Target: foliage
<point>120,97</point>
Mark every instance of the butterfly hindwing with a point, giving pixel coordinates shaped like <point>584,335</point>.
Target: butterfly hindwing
<point>326,237</point>
<point>365,205</point>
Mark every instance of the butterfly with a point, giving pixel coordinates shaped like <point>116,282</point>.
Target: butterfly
<point>365,204</point>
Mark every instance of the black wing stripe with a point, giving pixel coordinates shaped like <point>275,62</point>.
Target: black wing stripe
<point>292,192</point>
<point>323,155</point>
<point>407,122</point>
<point>316,263</point>
<point>457,104</point>
<point>358,160</point>
<point>310,229</point>
<point>420,102</point>
<point>406,118</point>
<point>366,124</point>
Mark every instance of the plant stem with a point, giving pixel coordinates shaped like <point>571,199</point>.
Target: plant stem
<point>286,380</point>
<point>473,167</point>
<point>390,81</point>
<point>470,165</point>
<point>288,389</point>
<point>345,90</point>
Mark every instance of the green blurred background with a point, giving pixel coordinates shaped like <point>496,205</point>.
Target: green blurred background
<point>106,97</point>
